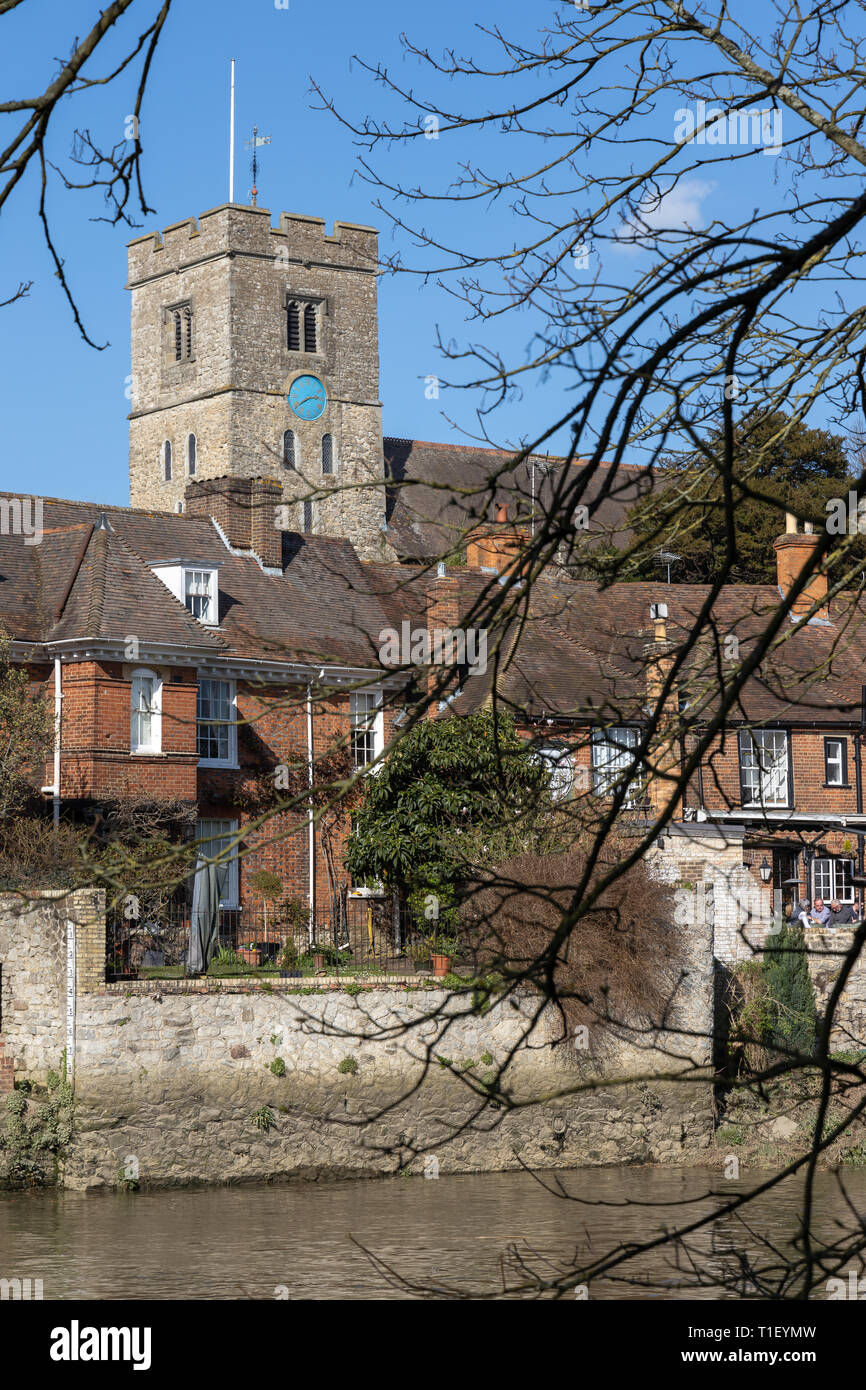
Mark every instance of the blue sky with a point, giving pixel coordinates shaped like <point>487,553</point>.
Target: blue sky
<point>64,408</point>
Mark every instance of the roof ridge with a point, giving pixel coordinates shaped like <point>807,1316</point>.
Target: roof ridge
<point>96,596</point>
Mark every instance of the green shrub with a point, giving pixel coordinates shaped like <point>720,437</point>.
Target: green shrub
<point>348,1066</point>
<point>793,1017</point>
<point>278,1067</point>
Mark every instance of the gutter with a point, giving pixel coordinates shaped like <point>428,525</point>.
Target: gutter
<point>788,817</point>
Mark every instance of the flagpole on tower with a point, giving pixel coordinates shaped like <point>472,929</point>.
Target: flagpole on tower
<point>232,139</point>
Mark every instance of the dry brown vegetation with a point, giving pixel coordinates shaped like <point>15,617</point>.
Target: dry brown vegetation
<point>619,962</point>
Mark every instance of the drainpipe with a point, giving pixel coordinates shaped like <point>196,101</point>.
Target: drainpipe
<point>858,771</point>
<point>312,836</point>
<point>58,724</point>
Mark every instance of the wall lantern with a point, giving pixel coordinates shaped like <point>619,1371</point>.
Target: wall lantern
<point>766,871</point>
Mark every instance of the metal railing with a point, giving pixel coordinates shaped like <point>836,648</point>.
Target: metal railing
<point>367,936</point>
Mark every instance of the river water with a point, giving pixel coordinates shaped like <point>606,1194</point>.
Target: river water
<point>396,1238</point>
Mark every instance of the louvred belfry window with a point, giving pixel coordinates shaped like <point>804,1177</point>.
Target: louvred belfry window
<point>310,339</point>
<point>294,327</point>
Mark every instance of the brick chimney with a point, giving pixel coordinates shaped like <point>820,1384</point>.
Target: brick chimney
<point>496,547</point>
<point>665,752</point>
<point>443,616</point>
<point>793,550</point>
<point>245,509</point>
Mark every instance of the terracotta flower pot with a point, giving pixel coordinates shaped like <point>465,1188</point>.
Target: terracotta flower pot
<point>318,962</point>
<point>440,964</point>
<point>250,954</point>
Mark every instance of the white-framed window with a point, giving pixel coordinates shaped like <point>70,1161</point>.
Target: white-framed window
<point>199,594</point>
<point>765,768</point>
<point>216,723</point>
<point>613,764</point>
<point>836,762</point>
<point>217,837</point>
<point>831,880</point>
<point>368,726</point>
<point>558,761</point>
<point>191,454</point>
<point>145,723</point>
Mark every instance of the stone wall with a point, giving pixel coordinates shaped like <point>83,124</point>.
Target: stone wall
<point>174,1080</point>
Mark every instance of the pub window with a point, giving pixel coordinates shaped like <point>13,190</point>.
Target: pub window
<point>765,768</point>
<point>836,762</point>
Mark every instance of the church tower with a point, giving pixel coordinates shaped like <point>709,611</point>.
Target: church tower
<point>255,355</point>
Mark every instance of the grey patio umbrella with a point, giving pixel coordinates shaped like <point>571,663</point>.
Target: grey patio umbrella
<point>207,890</point>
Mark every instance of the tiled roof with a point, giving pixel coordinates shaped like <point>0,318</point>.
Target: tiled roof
<point>575,652</point>
<point>438,491</point>
<point>90,578</point>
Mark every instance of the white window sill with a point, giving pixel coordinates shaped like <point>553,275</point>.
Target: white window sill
<point>147,753</point>
<point>226,767</point>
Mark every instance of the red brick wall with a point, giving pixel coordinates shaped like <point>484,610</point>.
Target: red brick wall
<point>95,757</point>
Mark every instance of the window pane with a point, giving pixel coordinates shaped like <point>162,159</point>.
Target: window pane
<point>198,593</point>
<point>833,749</point>
<point>764,767</point>
<point>214,720</point>
<point>215,836</point>
<point>613,764</point>
<point>363,708</point>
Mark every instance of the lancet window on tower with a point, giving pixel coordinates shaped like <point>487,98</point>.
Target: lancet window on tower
<point>182,332</point>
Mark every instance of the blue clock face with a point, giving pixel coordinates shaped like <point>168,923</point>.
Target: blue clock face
<point>308,397</point>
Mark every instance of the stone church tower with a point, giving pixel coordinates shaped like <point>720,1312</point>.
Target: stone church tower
<point>255,354</point>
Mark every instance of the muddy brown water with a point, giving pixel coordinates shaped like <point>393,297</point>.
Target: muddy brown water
<point>398,1237</point>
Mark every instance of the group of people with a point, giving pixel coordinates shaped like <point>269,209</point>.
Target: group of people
<point>821,914</point>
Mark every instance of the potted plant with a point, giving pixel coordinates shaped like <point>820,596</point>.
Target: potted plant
<point>443,949</point>
<point>268,885</point>
<point>250,953</point>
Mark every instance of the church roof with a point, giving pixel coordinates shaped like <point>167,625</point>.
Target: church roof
<point>437,492</point>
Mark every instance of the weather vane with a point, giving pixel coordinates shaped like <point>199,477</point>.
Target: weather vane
<point>254,145</point>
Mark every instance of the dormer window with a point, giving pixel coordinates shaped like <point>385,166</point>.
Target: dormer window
<point>199,594</point>
<point>196,586</point>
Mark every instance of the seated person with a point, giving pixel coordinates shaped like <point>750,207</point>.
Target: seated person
<point>799,912</point>
<point>840,916</point>
<point>820,914</point>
